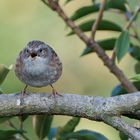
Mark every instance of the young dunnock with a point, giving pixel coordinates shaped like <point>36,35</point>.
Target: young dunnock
<point>38,65</point>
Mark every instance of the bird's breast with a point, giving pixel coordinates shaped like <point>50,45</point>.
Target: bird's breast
<point>35,67</point>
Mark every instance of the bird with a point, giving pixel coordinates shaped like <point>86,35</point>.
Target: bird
<point>38,65</point>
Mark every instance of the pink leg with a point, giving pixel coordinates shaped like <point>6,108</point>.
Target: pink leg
<point>23,92</point>
<point>54,92</point>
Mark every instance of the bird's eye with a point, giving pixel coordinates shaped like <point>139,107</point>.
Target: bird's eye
<point>40,50</point>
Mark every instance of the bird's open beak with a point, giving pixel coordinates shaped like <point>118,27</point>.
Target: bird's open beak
<point>33,55</point>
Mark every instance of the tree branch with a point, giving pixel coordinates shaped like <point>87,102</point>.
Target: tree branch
<point>120,125</point>
<point>93,45</point>
<point>90,107</point>
<point>99,18</point>
<point>69,104</point>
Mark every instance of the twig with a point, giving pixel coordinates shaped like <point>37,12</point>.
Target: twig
<point>20,122</point>
<point>11,125</point>
<point>99,18</point>
<point>130,22</point>
<point>89,107</point>
<point>24,136</point>
<point>14,127</point>
<point>113,57</point>
<point>92,44</point>
<point>128,25</point>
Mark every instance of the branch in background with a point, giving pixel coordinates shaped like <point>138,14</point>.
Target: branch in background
<point>99,18</point>
<point>92,44</point>
<point>14,127</point>
<point>128,25</point>
<point>120,125</point>
<point>131,21</point>
<point>93,108</point>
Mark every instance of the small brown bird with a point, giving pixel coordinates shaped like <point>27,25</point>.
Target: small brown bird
<point>38,65</point>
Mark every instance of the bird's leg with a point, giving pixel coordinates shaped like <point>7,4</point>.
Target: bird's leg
<point>54,92</point>
<point>23,92</point>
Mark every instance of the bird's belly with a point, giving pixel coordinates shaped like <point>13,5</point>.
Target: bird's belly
<point>39,75</point>
<point>35,68</point>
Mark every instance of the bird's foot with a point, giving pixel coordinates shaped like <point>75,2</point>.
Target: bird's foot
<point>55,94</point>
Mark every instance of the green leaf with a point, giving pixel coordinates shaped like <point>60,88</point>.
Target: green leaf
<point>3,119</point>
<point>86,10</point>
<point>106,44</point>
<point>83,11</point>
<point>42,125</point>
<point>85,135</point>
<point>1,91</point>
<point>123,136</point>
<point>137,67</point>
<point>103,25</point>
<point>3,72</point>
<point>71,124</point>
<point>8,134</point>
<point>136,77</point>
<point>69,127</point>
<point>119,90</point>
<point>117,4</point>
<point>135,52</point>
<point>122,45</point>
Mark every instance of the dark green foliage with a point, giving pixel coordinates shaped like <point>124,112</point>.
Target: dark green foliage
<point>67,132</point>
<point>67,128</point>
<point>8,134</point>
<point>3,119</point>
<point>1,91</point>
<point>117,4</point>
<point>104,25</point>
<point>3,72</point>
<point>86,10</point>
<point>118,90</point>
<point>106,44</point>
<point>135,52</point>
<point>122,45</point>
<point>123,136</point>
<point>137,67</point>
<point>71,124</point>
<point>85,135</point>
<point>42,125</point>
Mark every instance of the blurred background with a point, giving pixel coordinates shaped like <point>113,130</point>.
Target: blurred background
<point>21,22</point>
